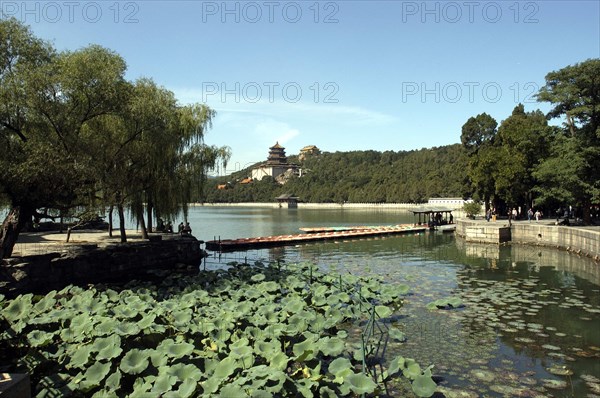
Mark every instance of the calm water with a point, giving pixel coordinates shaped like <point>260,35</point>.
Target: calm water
<point>530,324</point>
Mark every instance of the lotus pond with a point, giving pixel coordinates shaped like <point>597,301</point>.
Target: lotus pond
<point>493,322</point>
<point>528,318</point>
<point>248,331</point>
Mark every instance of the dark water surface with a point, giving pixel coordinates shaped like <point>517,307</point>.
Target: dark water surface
<point>530,324</point>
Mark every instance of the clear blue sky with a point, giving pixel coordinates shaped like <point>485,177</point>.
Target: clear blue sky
<point>342,75</point>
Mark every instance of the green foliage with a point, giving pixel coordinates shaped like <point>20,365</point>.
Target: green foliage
<point>571,170</point>
<point>76,134</point>
<point>249,331</point>
<point>359,176</point>
<point>472,209</point>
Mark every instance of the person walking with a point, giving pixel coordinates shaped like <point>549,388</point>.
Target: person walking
<point>529,214</point>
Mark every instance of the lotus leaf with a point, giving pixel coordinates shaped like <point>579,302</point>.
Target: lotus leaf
<point>423,385</point>
<point>94,375</point>
<point>412,369</point>
<point>244,353</point>
<point>220,337</point>
<point>45,304</point>
<point>360,383</point>
<point>326,392</point>
<point>185,390</point>
<point>270,286</point>
<point>175,350</point>
<point>331,346</point>
<point>397,335</point>
<point>182,317</point>
<point>140,389</point>
<point>225,368</point>
<point>294,305</point>
<point>340,368</point>
<point>304,387</point>
<point>105,394</point>
<point>81,356</point>
<point>257,278</point>
<point>184,372</point>
<point>163,383</point>
<point>231,390</point>
<point>19,308</point>
<point>337,298</point>
<point>127,328</point>
<point>134,362</point>
<point>383,311</point>
<point>113,381</point>
<point>211,385</point>
<point>39,338</point>
<point>305,350</point>
<point>108,347</point>
<point>147,321</point>
<point>105,326</point>
<point>297,324</point>
<point>279,361</point>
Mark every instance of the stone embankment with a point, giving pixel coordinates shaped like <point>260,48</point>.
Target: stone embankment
<point>88,263</point>
<point>581,240</point>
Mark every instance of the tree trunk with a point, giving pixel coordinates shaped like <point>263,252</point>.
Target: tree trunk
<point>110,222</point>
<point>142,222</point>
<point>149,211</point>
<point>11,227</point>
<point>587,214</point>
<point>122,223</point>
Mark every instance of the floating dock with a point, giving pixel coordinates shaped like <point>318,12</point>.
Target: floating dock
<point>230,245</point>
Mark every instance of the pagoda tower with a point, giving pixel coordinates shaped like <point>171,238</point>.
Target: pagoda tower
<point>276,155</point>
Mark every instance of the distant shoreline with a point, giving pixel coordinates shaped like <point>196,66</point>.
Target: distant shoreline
<point>363,206</point>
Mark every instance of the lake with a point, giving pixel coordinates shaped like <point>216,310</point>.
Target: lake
<point>529,323</point>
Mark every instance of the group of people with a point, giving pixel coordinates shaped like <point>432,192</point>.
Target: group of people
<point>514,214</point>
<point>182,229</point>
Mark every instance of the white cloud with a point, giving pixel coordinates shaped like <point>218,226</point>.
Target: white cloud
<point>272,130</point>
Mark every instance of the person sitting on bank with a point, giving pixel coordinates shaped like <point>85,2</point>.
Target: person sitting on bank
<point>161,225</point>
<point>180,228</point>
<point>169,227</point>
<point>187,230</point>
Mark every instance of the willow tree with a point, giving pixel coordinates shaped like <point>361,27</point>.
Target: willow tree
<point>152,154</point>
<point>47,100</point>
<point>186,163</point>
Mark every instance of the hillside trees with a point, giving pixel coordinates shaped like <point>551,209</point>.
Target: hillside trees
<point>360,176</point>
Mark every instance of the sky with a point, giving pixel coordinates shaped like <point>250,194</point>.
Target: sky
<point>341,75</point>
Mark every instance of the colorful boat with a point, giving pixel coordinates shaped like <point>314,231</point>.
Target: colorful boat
<point>229,245</point>
<point>349,228</point>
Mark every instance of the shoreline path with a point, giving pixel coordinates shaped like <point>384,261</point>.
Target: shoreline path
<point>32,243</point>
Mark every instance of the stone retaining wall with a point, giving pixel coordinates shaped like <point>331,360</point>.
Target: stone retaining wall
<point>90,264</point>
<point>580,240</point>
<point>473,231</point>
<point>584,241</point>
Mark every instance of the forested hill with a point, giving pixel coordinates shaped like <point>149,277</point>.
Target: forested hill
<point>358,176</point>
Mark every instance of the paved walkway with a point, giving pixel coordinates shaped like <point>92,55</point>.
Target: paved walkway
<point>30,243</point>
